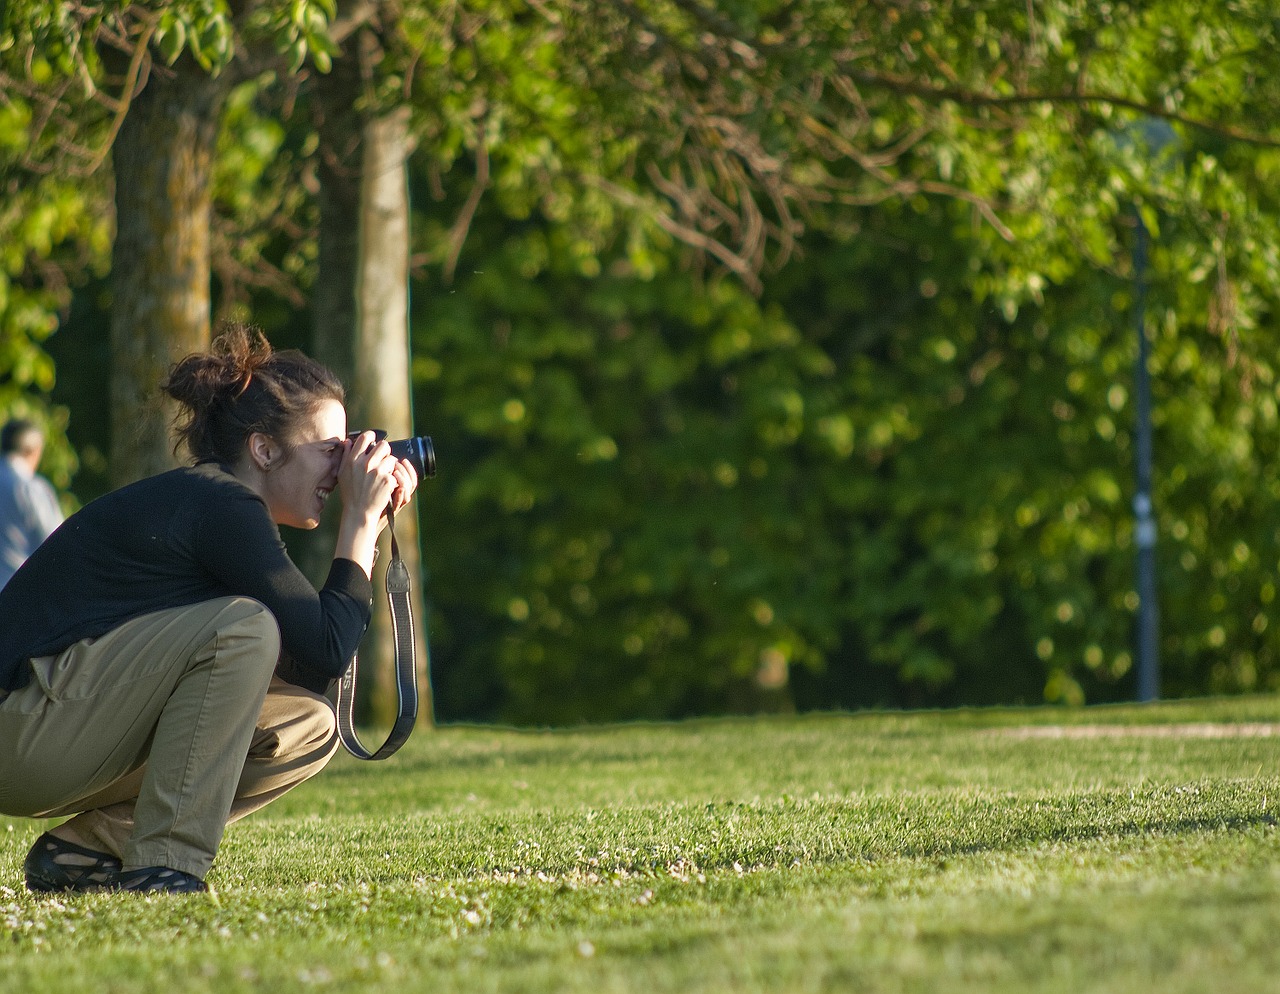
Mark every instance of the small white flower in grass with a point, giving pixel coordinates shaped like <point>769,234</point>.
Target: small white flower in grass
<point>472,917</point>
<point>586,949</point>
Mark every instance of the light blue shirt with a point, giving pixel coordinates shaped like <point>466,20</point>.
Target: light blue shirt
<point>29,513</point>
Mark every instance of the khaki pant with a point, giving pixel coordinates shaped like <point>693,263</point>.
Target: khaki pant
<point>160,732</point>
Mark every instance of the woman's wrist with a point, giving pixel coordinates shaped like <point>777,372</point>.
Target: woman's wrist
<point>358,541</point>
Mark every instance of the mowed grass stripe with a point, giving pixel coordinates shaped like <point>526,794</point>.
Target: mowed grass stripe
<point>830,853</point>
<point>719,835</point>
<point>1104,916</point>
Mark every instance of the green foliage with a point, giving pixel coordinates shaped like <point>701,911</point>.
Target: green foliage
<point>631,495</point>
<point>264,215</point>
<point>47,237</point>
<point>62,73</point>
<point>299,29</point>
<point>902,476</point>
<point>53,230</point>
<point>897,470</point>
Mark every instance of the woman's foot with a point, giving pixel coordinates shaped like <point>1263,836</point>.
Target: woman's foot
<point>159,879</point>
<point>54,864</point>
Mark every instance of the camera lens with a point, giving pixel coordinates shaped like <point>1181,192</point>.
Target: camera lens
<point>418,450</point>
<point>420,453</point>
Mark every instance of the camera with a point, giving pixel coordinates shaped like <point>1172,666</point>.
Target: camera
<point>420,453</point>
<point>418,450</point>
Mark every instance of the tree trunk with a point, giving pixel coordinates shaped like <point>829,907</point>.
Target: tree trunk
<point>362,333</point>
<point>333,301</point>
<point>163,161</point>
<point>382,384</point>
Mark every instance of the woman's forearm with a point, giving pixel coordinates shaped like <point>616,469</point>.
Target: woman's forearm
<point>358,540</point>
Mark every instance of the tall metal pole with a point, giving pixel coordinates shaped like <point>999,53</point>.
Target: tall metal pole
<point>1148,629</point>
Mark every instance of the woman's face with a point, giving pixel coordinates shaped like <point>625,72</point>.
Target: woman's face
<point>296,489</point>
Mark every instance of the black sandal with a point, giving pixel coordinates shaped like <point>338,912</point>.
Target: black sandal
<point>54,864</point>
<point>159,879</point>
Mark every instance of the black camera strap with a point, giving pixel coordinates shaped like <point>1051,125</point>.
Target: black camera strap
<point>398,587</point>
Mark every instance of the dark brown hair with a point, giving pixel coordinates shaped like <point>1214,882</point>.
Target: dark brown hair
<point>241,386</point>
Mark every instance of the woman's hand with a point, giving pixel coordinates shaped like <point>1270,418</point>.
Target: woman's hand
<point>366,477</point>
<point>378,461</point>
<point>406,483</point>
<point>371,482</point>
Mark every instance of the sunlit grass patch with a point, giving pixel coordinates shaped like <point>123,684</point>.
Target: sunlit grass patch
<point>962,851</point>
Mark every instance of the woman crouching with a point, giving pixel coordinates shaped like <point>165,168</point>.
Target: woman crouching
<point>140,642</point>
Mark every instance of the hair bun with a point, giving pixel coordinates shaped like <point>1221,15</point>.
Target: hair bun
<point>241,386</point>
<point>241,349</point>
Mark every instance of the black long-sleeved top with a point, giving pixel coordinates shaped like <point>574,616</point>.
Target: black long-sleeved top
<point>182,537</point>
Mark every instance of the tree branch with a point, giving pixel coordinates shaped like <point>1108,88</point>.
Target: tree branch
<point>135,79</point>
<point>960,95</point>
<point>458,233</point>
<point>731,260</point>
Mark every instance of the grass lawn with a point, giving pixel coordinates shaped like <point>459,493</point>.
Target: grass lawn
<point>1112,849</point>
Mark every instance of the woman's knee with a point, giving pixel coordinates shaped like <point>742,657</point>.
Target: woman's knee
<point>295,721</point>
<point>319,723</point>
<point>251,620</point>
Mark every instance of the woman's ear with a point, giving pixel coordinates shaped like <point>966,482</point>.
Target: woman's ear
<point>263,451</point>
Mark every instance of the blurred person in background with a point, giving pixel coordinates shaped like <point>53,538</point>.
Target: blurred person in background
<point>29,510</point>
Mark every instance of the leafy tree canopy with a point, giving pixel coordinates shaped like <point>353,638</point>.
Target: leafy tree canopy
<point>896,442</point>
